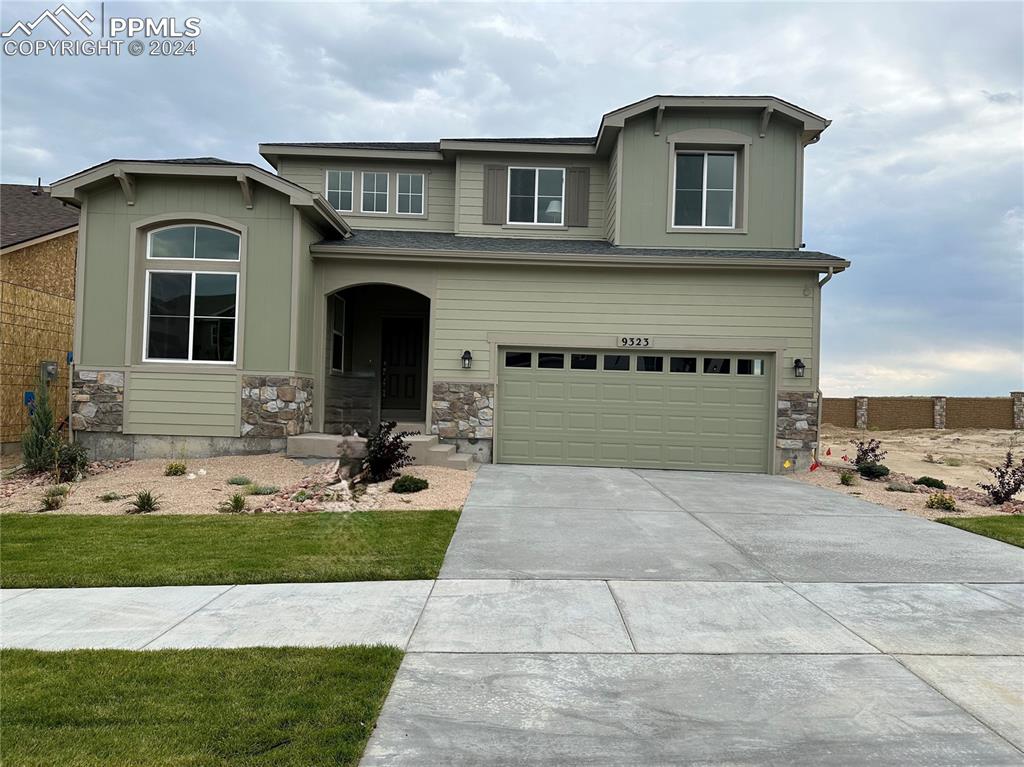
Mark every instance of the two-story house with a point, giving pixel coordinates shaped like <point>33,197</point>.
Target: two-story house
<point>636,298</point>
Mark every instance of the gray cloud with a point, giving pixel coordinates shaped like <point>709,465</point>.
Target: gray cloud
<point>918,181</point>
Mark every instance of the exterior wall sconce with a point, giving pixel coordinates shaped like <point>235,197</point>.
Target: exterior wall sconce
<point>798,368</point>
<point>467,360</point>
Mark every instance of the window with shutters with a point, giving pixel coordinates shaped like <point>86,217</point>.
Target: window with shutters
<point>536,195</point>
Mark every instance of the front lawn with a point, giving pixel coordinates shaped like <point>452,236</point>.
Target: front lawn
<point>192,708</point>
<point>63,550</point>
<point>1006,528</point>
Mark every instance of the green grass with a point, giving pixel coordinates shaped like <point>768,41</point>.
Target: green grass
<point>192,708</point>
<point>1005,528</point>
<point>65,550</point>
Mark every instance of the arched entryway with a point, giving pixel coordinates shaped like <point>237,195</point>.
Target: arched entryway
<point>376,366</point>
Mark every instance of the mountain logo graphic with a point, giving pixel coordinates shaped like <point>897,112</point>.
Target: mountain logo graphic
<point>55,18</point>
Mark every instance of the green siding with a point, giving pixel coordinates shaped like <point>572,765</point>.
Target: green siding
<point>189,404</point>
<point>771,198</point>
<point>306,334</point>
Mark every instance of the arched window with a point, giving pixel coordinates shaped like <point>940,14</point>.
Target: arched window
<point>194,242</point>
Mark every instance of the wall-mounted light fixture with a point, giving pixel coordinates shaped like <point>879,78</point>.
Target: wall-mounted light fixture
<point>798,368</point>
<point>467,360</point>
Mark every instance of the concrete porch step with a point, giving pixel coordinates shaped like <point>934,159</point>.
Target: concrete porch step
<point>425,449</point>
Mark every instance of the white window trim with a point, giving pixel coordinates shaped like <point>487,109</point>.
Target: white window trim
<point>704,188</point>
<point>334,333</point>
<point>179,225</point>
<point>191,320</point>
<point>536,196</point>
<point>352,191</point>
<point>422,195</point>
<point>376,191</point>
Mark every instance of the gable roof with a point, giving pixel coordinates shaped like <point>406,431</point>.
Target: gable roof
<point>29,212</point>
<point>69,188</point>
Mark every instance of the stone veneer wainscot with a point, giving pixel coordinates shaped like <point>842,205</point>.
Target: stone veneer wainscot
<point>796,428</point>
<point>97,398</point>
<point>462,410</point>
<point>276,406</point>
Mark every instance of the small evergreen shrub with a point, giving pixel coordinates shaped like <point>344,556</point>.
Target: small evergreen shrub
<point>936,484</point>
<point>941,501</point>
<point>868,452</point>
<point>386,452</point>
<point>846,478</point>
<point>953,461</point>
<point>39,441</point>
<point>111,496</point>
<point>236,504</point>
<point>175,469</point>
<point>239,480</point>
<point>143,502</point>
<point>900,487</point>
<point>873,470</point>
<point>55,496</point>
<point>70,460</point>
<point>407,483</point>
<point>261,489</point>
<point>1009,479</point>
<point>302,495</point>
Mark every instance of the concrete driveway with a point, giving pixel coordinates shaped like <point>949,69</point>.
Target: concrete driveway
<point>615,617</point>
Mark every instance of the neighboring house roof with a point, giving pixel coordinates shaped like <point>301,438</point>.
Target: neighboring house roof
<point>29,213</point>
<point>434,245</point>
<point>210,167</point>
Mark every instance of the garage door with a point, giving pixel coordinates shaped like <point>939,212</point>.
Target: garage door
<point>663,410</point>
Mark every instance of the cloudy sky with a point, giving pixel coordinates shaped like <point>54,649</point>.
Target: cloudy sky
<point>919,181</point>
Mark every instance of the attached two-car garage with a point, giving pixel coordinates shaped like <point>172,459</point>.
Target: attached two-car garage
<point>643,409</point>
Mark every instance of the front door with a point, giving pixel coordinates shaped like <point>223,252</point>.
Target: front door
<point>401,363</point>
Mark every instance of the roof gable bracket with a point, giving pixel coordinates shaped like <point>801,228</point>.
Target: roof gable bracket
<point>766,115</point>
<point>657,119</point>
<point>127,182</point>
<point>243,182</point>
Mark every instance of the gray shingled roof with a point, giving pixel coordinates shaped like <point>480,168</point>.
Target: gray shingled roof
<point>443,241</point>
<point>26,212</point>
<point>430,146</point>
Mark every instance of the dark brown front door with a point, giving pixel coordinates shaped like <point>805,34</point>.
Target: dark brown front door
<point>401,363</point>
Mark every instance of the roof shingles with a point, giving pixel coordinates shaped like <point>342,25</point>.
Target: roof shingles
<point>27,212</point>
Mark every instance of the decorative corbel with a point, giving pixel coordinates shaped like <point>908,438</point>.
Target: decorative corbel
<point>657,120</point>
<point>243,182</point>
<point>766,115</point>
<point>127,182</point>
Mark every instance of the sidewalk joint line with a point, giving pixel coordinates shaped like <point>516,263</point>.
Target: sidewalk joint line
<point>201,607</point>
<point>622,617</point>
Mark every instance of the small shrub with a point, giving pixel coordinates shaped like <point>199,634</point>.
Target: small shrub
<point>236,504</point>
<point>57,490</point>
<point>846,478</point>
<point>70,460</point>
<point>942,501</point>
<point>144,502</point>
<point>39,443</point>
<point>111,496</point>
<point>900,487</point>
<point>386,452</point>
<point>175,469</point>
<point>407,483</point>
<point>261,489</point>
<point>868,452</point>
<point>239,480</point>
<point>1009,479</point>
<point>953,461</point>
<point>54,497</point>
<point>302,495</point>
<point>873,470</point>
<point>931,482</point>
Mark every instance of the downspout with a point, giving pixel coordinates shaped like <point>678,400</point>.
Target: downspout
<point>821,403</point>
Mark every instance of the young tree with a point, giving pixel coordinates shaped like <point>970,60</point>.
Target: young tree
<point>38,442</point>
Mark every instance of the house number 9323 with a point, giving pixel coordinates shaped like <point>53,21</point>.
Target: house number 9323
<point>634,341</point>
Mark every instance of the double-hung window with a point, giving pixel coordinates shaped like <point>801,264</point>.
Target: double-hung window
<point>339,189</point>
<point>375,192</point>
<point>190,316</point>
<point>410,194</point>
<point>705,190</point>
<point>536,195</point>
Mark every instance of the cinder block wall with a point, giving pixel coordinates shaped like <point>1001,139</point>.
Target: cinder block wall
<point>887,413</point>
<point>979,413</point>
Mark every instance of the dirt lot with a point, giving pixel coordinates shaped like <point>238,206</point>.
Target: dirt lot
<point>917,452</point>
<point>206,486</point>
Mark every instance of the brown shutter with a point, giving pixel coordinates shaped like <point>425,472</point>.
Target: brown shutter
<point>495,186</point>
<point>577,196</point>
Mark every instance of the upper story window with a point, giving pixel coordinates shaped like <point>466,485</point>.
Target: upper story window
<point>190,316</point>
<point>410,194</point>
<point>705,190</point>
<point>193,242</point>
<point>536,195</point>
<point>375,192</point>
<point>339,189</point>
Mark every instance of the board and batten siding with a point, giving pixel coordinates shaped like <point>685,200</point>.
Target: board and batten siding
<point>473,302</point>
<point>471,196</point>
<point>611,209</point>
<point>440,183</point>
<point>188,404</point>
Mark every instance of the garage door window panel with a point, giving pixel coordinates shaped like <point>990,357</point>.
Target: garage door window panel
<point>717,365</point>
<point>583,361</point>
<point>749,367</point>
<point>616,362</point>
<point>551,360</point>
<point>518,359</point>
<point>646,364</point>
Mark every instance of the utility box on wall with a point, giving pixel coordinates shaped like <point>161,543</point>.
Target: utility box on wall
<point>48,370</point>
